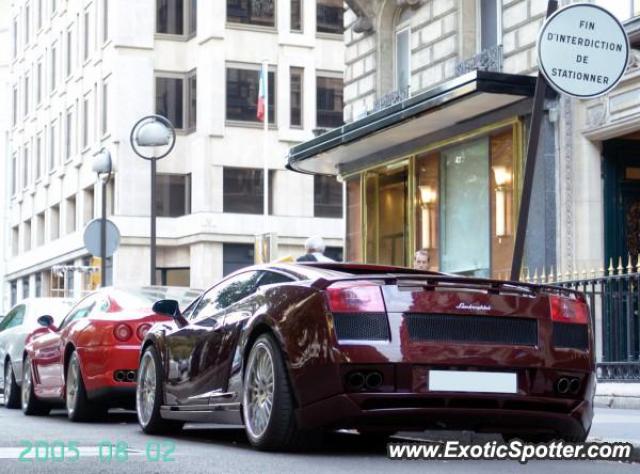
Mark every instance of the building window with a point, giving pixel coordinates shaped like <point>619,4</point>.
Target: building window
<point>52,146</point>
<point>105,108</point>
<point>489,24</point>
<point>14,174</point>
<point>296,88</point>
<point>69,53</point>
<point>14,112</point>
<point>173,195</point>
<point>27,23</point>
<point>177,102</point>
<point>253,12</point>
<point>26,94</point>
<point>68,144</point>
<point>26,290</point>
<point>39,83</point>
<point>86,45</point>
<point>14,292</point>
<point>39,156</point>
<point>15,240</point>
<point>334,253</point>
<point>26,235</point>
<point>242,94</point>
<point>243,190</point>
<point>174,276</point>
<point>236,256</point>
<point>40,229</point>
<point>88,200</point>
<point>327,197</point>
<point>15,37</point>
<point>328,102</point>
<point>54,222</point>
<point>25,167</point>
<point>38,284</point>
<point>53,67</point>
<point>105,20</point>
<point>329,15</point>
<point>71,219</point>
<point>296,15</point>
<point>403,59</point>
<point>85,122</point>
<point>39,14</point>
<point>53,4</point>
<point>175,17</point>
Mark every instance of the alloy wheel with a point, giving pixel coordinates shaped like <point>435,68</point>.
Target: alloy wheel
<point>146,392</point>
<point>72,385</point>
<point>26,385</point>
<point>259,390</point>
<point>7,383</point>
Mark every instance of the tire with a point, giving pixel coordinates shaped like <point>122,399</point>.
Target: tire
<point>78,406</point>
<point>31,405</point>
<point>11,390</point>
<point>149,396</point>
<point>268,407</point>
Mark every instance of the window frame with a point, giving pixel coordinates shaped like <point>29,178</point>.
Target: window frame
<point>187,17</point>
<point>291,28</point>
<point>330,33</point>
<point>187,194</point>
<point>186,78</point>
<point>273,111</point>
<point>498,19</point>
<point>292,71</point>
<point>328,75</point>
<point>249,25</point>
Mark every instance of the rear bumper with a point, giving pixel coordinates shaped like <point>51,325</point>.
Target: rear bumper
<point>393,411</point>
<point>99,364</point>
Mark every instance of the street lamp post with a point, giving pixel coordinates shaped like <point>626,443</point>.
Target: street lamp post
<point>103,166</point>
<point>153,131</point>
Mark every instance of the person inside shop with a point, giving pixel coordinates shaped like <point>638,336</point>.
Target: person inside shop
<point>314,248</point>
<point>421,260</point>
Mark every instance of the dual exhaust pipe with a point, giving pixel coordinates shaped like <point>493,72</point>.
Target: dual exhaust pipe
<point>369,380</point>
<point>566,385</point>
<point>125,375</point>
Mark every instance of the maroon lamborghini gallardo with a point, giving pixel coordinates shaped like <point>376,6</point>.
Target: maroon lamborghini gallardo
<point>293,349</point>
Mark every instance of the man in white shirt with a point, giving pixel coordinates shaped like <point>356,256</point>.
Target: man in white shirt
<point>314,248</point>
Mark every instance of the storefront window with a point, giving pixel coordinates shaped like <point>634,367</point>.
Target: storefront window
<point>354,221</point>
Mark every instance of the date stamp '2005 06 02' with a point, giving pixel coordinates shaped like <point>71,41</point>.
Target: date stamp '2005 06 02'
<point>106,451</point>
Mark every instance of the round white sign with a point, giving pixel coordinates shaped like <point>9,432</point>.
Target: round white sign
<point>583,50</point>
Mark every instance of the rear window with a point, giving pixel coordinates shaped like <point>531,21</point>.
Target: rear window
<point>144,297</point>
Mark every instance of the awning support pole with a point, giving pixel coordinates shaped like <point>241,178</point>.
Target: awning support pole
<point>530,166</point>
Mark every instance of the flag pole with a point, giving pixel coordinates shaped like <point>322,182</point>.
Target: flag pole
<point>265,155</point>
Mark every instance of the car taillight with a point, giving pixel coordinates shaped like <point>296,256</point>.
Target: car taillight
<point>122,332</point>
<point>142,330</point>
<point>566,310</point>
<point>355,297</point>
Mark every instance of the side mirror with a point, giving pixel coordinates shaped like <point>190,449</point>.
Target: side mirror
<point>45,321</point>
<point>169,308</point>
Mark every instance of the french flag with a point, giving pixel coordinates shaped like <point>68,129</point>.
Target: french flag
<point>261,95</point>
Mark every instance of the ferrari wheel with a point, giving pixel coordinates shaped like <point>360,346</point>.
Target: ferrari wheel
<point>11,391</point>
<point>267,404</point>
<point>149,396</point>
<point>78,406</point>
<point>30,403</point>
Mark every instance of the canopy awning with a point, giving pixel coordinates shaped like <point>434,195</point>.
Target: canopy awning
<point>379,133</point>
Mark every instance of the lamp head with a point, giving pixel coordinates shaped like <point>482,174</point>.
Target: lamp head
<point>153,133</point>
<point>102,163</point>
<point>427,195</point>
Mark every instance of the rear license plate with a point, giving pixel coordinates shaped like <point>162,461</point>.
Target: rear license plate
<point>472,381</point>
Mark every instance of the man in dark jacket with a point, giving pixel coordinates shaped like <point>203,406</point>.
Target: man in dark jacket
<point>314,248</point>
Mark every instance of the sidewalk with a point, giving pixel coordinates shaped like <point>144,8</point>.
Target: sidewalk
<point>618,395</point>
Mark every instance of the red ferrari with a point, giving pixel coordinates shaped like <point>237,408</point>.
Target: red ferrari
<point>89,362</point>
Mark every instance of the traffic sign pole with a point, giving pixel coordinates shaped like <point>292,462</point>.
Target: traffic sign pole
<point>103,236</point>
<point>530,166</point>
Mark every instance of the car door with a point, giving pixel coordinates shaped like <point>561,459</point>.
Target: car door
<point>193,351</point>
<point>236,316</point>
<point>48,351</point>
<point>9,331</point>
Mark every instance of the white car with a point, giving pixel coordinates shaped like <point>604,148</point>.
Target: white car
<point>15,327</point>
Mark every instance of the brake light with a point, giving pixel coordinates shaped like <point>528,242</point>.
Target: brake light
<point>566,310</point>
<point>142,330</point>
<point>122,332</point>
<point>355,297</point>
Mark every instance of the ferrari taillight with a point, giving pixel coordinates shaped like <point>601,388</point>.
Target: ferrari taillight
<point>142,330</point>
<point>567,310</point>
<point>123,332</point>
<point>355,297</point>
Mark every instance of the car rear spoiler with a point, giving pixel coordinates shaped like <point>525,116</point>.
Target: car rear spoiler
<point>439,280</point>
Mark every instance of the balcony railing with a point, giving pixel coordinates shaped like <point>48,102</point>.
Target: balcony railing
<point>489,59</point>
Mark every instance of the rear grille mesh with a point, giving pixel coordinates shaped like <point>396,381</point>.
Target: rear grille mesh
<point>472,328</point>
<point>361,327</point>
<point>573,336</point>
